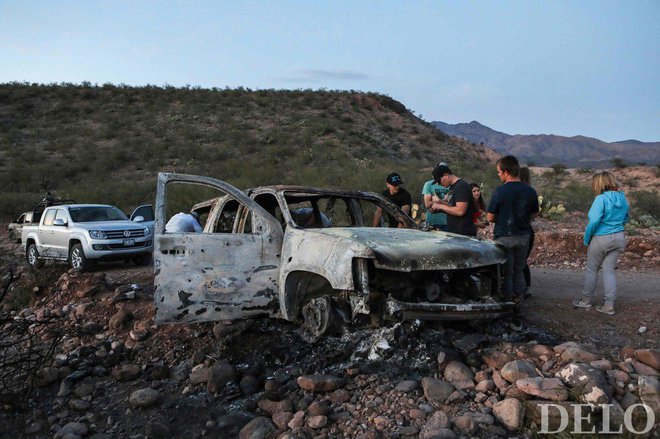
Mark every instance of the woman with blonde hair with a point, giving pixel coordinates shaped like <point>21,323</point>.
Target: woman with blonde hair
<point>605,238</point>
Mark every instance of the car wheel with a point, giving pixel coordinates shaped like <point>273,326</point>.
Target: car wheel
<point>77,258</point>
<point>319,317</point>
<point>32,256</point>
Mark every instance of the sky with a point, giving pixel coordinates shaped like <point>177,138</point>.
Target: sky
<point>588,67</point>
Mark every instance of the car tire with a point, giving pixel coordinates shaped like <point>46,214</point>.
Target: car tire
<point>32,256</point>
<point>320,317</point>
<point>77,258</point>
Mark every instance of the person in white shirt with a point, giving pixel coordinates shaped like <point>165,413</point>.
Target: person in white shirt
<point>184,223</point>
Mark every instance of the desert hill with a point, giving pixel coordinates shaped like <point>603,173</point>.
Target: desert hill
<point>107,143</point>
<point>548,149</point>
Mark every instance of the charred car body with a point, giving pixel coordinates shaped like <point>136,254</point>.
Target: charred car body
<point>307,255</point>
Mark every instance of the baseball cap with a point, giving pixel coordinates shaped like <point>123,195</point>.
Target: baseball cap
<point>439,171</point>
<point>394,179</point>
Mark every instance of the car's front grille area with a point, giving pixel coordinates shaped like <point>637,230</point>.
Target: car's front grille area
<point>120,234</point>
<point>122,246</point>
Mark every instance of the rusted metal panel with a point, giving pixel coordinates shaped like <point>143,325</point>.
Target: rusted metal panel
<point>201,277</point>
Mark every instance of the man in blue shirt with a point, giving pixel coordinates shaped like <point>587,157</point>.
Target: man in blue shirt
<point>434,193</point>
<point>511,208</point>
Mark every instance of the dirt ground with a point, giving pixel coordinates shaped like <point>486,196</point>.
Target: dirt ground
<point>638,307</point>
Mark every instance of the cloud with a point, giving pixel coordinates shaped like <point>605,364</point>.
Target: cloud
<point>318,75</point>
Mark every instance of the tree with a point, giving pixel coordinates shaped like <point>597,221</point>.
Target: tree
<point>618,162</point>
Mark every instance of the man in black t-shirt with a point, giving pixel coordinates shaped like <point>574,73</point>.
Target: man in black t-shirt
<point>397,195</point>
<point>458,204</point>
<point>511,208</point>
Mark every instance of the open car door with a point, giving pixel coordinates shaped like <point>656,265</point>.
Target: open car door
<point>221,274</point>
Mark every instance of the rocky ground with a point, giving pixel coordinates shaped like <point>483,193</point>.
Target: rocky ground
<point>102,369</point>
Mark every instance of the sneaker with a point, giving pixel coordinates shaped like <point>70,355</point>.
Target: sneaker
<point>606,309</point>
<point>581,303</point>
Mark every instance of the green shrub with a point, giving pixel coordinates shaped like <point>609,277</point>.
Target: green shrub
<point>646,203</point>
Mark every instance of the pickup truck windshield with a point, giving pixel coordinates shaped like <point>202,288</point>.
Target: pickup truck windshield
<point>96,213</point>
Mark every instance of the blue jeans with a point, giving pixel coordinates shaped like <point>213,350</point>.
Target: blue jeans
<point>603,252</point>
<point>516,257</point>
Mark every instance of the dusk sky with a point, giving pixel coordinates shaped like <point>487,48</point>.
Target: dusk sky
<point>522,67</point>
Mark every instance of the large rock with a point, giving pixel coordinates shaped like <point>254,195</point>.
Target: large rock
<point>546,388</point>
<point>559,349</point>
<point>72,428</point>
<point>126,372</point>
<point>200,374</point>
<point>515,370</point>
<point>643,369</point>
<point>649,393</point>
<point>509,412</point>
<point>273,407</point>
<point>578,355</point>
<point>119,320</point>
<point>436,426</point>
<point>258,428</point>
<point>407,386</point>
<point>554,410</point>
<point>650,357</point>
<point>436,390</point>
<point>320,383</point>
<point>589,383</point>
<point>455,372</point>
<point>282,419</point>
<point>497,359</point>
<point>317,421</point>
<point>221,373</point>
<point>144,397</point>
<point>542,351</point>
<point>464,424</point>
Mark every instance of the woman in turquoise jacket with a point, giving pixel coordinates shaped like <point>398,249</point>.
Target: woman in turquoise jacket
<point>605,238</point>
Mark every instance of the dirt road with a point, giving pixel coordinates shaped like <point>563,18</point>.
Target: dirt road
<point>638,305</point>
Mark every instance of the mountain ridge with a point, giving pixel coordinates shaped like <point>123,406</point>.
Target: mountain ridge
<point>547,149</point>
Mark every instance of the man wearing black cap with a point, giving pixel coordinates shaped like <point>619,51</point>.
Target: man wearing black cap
<point>397,195</point>
<point>459,207</point>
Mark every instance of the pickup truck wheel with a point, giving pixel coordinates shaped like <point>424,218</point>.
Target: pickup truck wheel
<point>32,256</point>
<point>77,258</point>
<point>319,317</point>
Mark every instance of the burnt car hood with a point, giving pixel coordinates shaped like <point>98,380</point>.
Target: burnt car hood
<point>409,249</point>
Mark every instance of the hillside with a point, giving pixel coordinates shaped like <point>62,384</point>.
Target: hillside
<point>107,143</point>
<point>542,149</point>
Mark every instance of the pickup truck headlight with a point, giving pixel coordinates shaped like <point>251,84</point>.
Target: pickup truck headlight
<point>97,234</point>
<point>147,231</point>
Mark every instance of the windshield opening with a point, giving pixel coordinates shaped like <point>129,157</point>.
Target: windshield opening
<point>96,213</point>
<point>314,210</point>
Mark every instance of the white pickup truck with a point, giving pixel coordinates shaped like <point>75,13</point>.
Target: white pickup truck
<point>83,233</point>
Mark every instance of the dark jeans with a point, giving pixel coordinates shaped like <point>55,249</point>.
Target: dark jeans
<point>516,257</point>
<point>528,275</point>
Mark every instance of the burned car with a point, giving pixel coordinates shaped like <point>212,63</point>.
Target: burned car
<point>308,255</point>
